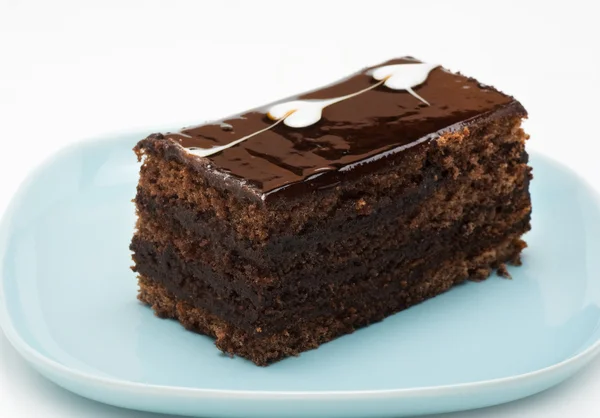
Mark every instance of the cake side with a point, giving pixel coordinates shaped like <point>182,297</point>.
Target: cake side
<point>489,200</point>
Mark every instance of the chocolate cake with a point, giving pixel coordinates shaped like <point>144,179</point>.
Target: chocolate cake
<point>279,229</point>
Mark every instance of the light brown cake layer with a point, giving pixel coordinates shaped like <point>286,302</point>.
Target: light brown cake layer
<point>499,144</point>
<point>306,335</point>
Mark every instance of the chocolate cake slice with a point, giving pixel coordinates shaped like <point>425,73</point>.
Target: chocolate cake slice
<point>289,225</point>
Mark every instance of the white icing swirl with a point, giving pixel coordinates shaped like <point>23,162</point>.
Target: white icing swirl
<point>304,113</point>
<point>205,152</point>
<point>404,76</point>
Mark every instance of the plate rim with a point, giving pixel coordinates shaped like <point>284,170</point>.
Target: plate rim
<point>41,362</point>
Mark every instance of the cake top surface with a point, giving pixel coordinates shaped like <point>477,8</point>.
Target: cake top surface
<point>314,140</point>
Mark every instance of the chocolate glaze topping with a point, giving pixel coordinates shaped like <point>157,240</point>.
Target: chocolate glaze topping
<point>355,135</point>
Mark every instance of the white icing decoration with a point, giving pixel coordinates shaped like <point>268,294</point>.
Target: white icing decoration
<point>205,152</point>
<point>303,113</point>
<point>404,76</point>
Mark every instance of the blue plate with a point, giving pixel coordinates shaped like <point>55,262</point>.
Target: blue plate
<point>68,305</point>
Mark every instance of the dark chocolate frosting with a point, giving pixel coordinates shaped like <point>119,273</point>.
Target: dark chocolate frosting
<point>357,134</point>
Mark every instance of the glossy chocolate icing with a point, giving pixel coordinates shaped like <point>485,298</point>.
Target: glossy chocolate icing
<point>355,135</point>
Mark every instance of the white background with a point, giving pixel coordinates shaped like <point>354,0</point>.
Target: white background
<point>77,69</point>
